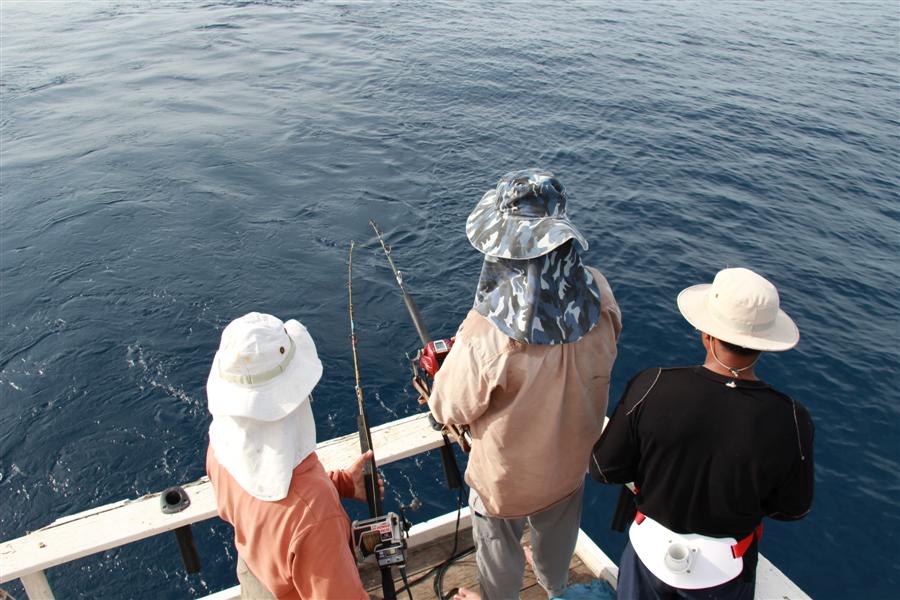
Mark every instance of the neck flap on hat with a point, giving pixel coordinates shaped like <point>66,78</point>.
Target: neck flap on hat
<point>261,455</point>
<point>551,299</point>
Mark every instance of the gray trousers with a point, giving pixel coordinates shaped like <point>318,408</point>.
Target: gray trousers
<point>498,550</point>
<point>251,587</point>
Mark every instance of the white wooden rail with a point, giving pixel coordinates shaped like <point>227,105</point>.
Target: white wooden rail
<point>117,524</point>
<point>113,525</point>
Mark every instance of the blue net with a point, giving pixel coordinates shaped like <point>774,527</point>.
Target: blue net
<point>595,590</point>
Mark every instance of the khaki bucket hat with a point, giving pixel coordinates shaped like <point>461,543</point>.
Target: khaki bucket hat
<point>742,308</point>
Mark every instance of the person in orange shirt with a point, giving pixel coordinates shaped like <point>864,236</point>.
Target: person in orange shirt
<point>291,532</point>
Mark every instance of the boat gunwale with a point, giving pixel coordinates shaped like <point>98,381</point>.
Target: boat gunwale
<point>126,521</point>
<point>112,525</point>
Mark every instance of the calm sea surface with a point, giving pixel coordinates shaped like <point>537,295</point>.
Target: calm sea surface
<point>167,167</point>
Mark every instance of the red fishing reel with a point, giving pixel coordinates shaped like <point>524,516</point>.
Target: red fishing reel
<point>433,354</point>
<point>429,359</point>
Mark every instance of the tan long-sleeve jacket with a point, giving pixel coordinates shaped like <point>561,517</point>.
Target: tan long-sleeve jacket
<point>534,411</point>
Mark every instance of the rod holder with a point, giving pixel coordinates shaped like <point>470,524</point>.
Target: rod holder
<point>189,555</point>
<point>174,500</point>
<point>451,469</point>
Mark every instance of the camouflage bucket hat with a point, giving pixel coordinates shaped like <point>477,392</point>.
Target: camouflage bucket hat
<point>523,217</point>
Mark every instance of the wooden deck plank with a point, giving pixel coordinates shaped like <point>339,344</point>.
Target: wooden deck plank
<point>462,573</point>
<point>117,524</point>
<point>420,559</point>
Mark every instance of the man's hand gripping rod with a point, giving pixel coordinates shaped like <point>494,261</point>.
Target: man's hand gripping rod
<point>429,358</point>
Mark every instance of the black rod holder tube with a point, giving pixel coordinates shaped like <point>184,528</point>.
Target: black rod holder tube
<point>189,555</point>
<point>451,469</point>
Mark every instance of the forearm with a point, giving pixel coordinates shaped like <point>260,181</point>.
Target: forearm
<point>449,412</point>
<point>793,499</point>
<point>782,516</point>
<point>606,472</point>
<point>614,457</point>
<point>462,387</point>
<point>456,401</point>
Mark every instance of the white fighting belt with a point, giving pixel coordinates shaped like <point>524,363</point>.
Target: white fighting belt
<point>688,561</point>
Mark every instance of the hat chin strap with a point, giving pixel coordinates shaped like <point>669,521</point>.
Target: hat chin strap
<point>734,372</point>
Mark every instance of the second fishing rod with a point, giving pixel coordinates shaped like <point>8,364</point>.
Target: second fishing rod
<point>429,359</point>
<point>381,534</point>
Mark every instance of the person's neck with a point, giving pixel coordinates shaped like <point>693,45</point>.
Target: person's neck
<point>711,365</point>
<point>731,365</point>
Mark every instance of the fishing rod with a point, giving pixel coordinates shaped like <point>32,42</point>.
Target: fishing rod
<point>429,358</point>
<point>414,313</point>
<point>380,534</point>
<point>370,474</point>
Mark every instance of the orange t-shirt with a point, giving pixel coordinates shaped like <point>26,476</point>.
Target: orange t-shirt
<point>298,547</point>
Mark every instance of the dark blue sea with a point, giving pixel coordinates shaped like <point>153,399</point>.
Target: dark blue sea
<point>169,166</point>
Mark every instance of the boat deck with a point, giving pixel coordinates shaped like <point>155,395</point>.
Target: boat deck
<point>423,560</point>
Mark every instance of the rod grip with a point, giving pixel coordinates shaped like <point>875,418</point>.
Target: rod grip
<point>416,317</point>
<point>370,472</point>
<point>373,498</point>
<point>387,584</point>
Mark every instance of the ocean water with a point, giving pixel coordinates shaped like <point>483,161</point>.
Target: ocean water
<point>168,166</point>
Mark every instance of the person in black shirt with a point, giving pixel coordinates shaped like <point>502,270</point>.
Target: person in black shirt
<point>711,450</point>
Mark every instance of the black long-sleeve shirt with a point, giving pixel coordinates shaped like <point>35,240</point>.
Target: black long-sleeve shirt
<point>707,458</point>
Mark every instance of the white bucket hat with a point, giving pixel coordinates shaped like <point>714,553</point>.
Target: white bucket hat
<point>258,393</point>
<point>740,307</point>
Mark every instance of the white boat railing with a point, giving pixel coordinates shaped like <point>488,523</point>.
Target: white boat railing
<point>75,536</point>
<point>113,525</point>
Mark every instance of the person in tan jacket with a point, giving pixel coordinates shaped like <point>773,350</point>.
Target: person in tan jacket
<point>529,374</point>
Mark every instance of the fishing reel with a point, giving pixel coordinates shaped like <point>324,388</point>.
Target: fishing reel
<point>429,359</point>
<point>381,536</point>
<point>432,356</point>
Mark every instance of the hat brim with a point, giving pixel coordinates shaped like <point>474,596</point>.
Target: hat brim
<point>276,398</point>
<point>501,235</point>
<point>782,335</point>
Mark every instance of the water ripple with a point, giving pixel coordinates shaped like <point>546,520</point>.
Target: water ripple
<point>167,167</point>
